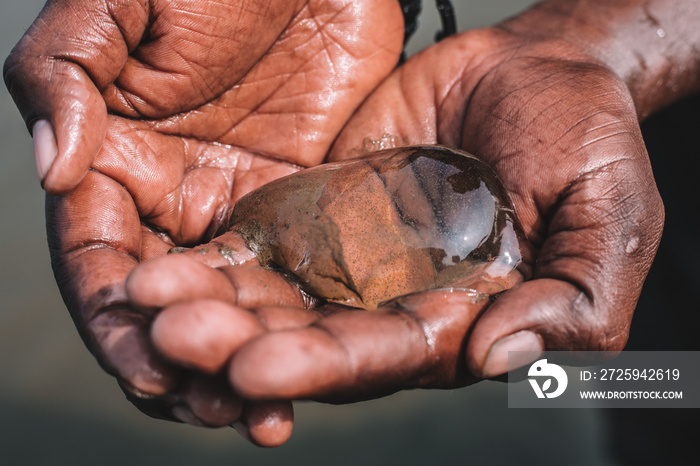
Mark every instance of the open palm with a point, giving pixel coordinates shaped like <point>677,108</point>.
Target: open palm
<point>177,113</point>
<point>561,131</point>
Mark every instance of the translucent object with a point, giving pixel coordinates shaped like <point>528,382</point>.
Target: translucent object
<point>398,221</point>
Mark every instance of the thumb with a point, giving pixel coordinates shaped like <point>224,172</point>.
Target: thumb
<point>55,74</point>
<point>587,278</point>
<point>538,315</point>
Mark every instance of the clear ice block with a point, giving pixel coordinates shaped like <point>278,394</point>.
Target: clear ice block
<point>398,221</point>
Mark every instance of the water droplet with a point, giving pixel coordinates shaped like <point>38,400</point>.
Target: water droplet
<point>363,231</point>
<point>632,245</point>
<point>661,33</point>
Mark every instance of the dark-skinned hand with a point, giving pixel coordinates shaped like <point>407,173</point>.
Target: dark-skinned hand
<point>560,129</point>
<point>150,119</point>
<point>558,122</point>
<point>554,108</point>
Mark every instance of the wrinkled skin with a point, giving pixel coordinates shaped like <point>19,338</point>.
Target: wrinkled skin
<point>582,187</point>
<point>200,116</point>
<point>558,127</point>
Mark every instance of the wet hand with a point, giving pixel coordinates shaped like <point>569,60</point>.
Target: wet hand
<point>357,233</point>
<point>150,120</point>
<point>561,131</point>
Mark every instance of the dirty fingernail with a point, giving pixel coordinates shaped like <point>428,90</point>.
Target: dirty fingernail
<point>497,359</point>
<point>45,149</point>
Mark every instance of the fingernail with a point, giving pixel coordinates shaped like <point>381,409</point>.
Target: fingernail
<point>45,149</point>
<point>524,340</point>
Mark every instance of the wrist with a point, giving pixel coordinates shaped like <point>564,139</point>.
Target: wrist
<point>652,46</point>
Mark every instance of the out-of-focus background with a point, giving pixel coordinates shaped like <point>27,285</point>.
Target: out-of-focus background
<point>57,406</point>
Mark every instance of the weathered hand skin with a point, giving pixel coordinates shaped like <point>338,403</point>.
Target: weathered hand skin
<point>398,221</point>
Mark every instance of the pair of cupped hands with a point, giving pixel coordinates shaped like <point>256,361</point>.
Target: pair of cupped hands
<point>152,118</point>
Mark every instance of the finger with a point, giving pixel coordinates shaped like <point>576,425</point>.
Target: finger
<point>203,334</point>
<point>122,345</point>
<point>91,261</point>
<point>587,278</point>
<point>227,249</point>
<point>417,341</point>
<point>55,75</point>
<point>258,287</point>
<point>207,401</point>
<point>266,423</point>
<point>176,278</point>
<point>276,318</point>
<point>92,258</point>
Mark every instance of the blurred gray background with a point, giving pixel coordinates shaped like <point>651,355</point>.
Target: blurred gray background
<point>57,407</point>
